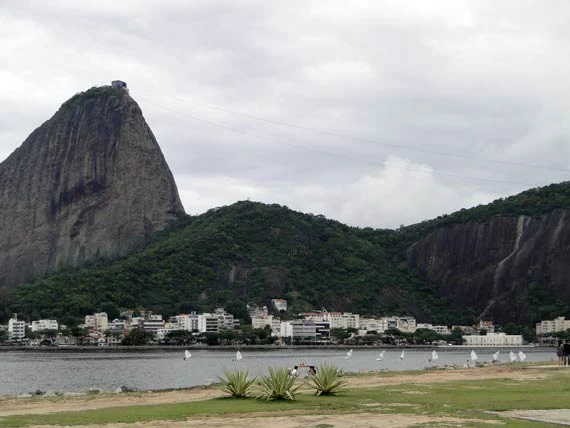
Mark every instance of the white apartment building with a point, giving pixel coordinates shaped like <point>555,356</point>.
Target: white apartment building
<point>279,304</point>
<point>268,320</point>
<point>97,322</point>
<point>441,329</point>
<point>153,323</point>
<point>16,329</point>
<point>369,324</point>
<point>116,325</point>
<point>185,322</point>
<point>336,319</point>
<point>552,326</point>
<point>44,325</point>
<point>303,330</point>
<point>404,324</point>
<point>493,339</point>
<point>217,321</point>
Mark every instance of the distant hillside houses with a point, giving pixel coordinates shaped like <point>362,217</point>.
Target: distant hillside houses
<point>307,327</point>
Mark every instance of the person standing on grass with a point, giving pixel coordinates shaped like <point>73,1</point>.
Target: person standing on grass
<point>560,353</point>
<point>566,352</point>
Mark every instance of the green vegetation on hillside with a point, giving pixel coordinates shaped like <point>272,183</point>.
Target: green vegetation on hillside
<point>246,252</point>
<point>251,252</point>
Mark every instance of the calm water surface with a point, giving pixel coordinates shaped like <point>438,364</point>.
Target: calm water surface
<point>24,372</point>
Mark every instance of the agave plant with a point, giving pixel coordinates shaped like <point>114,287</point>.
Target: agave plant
<point>327,380</point>
<point>278,385</point>
<point>237,384</point>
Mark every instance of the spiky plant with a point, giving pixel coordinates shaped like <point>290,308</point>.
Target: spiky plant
<point>278,385</point>
<point>327,380</point>
<point>237,384</point>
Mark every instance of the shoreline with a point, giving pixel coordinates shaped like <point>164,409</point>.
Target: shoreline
<point>159,348</point>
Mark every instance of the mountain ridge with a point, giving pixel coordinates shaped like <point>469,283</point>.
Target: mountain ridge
<point>89,183</point>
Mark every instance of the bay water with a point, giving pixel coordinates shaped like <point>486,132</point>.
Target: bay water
<point>27,372</point>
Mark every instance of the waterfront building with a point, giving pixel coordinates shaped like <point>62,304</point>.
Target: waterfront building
<point>274,323</point>
<point>153,323</point>
<point>553,326</point>
<point>493,339</point>
<point>404,324</point>
<point>185,322</point>
<point>97,322</point>
<point>214,322</point>
<point>336,319</point>
<point>16,329</point>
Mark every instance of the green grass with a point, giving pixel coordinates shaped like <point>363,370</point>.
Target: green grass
<point>466,400</point>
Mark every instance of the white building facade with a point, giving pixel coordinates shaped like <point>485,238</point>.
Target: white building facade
<point>97,322</point>
<point>493,339</point>
<point>16,329</point>
<point>44,325</point>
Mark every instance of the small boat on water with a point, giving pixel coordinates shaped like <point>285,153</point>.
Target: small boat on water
<point>348,354</point>
<point>187,355</point>
<point>239,356</point>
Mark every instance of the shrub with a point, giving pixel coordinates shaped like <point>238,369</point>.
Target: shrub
<point>237,384</point>
<point>327,380</point>
<point>278,385</point>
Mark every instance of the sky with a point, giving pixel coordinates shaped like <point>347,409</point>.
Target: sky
<point>375,113</point>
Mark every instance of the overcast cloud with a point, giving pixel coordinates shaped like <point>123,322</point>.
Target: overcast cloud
<point>375,113</point>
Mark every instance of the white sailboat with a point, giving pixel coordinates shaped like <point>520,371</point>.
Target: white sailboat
<point>473,356</point>
<point>402,355</point>
<point>522,356</point>
<point>381,355</point>
<point>239,356</point>
<point>496,356</point>
<point>348,354</point>
<point>434,356</point>
<point>512,356</point>
<point>187,355</point>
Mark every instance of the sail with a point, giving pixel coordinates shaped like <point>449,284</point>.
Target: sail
<point>348,354</point>
<point>522,356</point>
<point>402,355</point>
<point>473,356</point>
<point>434,356</point>
<point>187,354</point>
<point>512,356</point>
<point>239,356</point>
<point>496,356</point>
<point>381,355</point>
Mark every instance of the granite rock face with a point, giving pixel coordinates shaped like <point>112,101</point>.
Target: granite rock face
<point>499,267</point>
<point>90,183</point>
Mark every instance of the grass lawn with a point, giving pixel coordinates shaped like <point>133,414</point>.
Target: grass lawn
<point>464,399</point>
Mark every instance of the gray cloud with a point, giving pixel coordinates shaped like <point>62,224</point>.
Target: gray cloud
<point>381,113</point>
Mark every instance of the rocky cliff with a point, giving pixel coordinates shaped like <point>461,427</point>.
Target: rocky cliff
<point>89,183</point>
<point>503,268</point>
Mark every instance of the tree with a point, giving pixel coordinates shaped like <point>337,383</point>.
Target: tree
<point>137,337</point>
<point>79,334</point>
<point>456,337</point>
<point>340,334</point>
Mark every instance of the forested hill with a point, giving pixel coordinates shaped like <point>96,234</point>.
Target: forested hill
<point>505,261</point>
<point>246,252</point>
